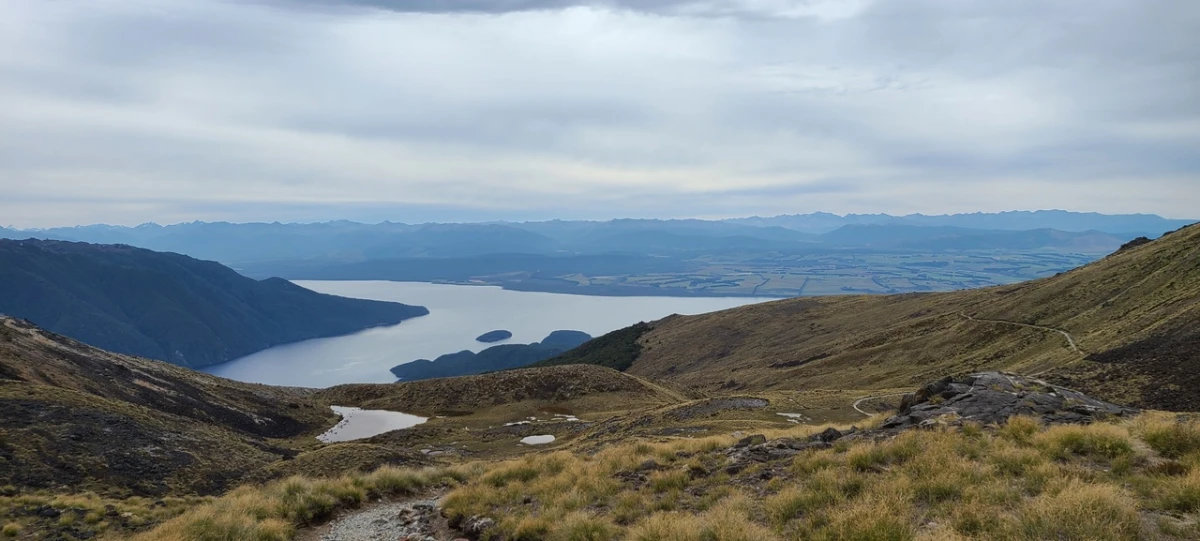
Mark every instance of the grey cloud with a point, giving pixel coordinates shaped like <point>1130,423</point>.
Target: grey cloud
<point>510,6</point>
<point>220,108</point>
<point>751,9</point>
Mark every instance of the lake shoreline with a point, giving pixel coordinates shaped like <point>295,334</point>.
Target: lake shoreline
<point>457,316</point>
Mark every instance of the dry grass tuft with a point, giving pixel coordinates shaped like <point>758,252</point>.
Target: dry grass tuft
<point>1170,437</point>
<point>1101,441</point>
<point>1081,511</point>
<point>1021,429</point>
<point>1181,494</point>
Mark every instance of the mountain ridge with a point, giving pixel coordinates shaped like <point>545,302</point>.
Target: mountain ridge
<point>346,241</point>
<point>77,415</point>
<point>169,306</point>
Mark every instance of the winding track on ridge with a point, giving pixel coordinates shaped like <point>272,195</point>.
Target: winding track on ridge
<point>859,402</point>
<point>1070,343</point>
<point>1067,335</point>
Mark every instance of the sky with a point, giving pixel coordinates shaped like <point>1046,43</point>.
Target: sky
<point>129,111</point>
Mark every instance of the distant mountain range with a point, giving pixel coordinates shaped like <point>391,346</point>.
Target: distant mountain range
<point>351,242</point>
<point>168,306</point>
<point>1149,225</point>
<point>782,256</point>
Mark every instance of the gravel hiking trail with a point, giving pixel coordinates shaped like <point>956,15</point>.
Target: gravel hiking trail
<point>387,520</point>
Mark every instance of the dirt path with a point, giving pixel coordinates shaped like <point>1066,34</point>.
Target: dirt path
<point>1070,343</point>
<point>669,392</point>
<point>416,520</point>
<point>859,402</point>
<point>1067,335</point>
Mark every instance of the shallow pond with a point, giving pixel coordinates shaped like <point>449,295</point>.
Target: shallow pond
<point>537,440</point>
<point>357,424</point>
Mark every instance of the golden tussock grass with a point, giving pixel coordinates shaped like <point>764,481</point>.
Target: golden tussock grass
<point>274,511</point>
<point>1169,435</point>
<point>1099,512</point>
<point>1017,481</point>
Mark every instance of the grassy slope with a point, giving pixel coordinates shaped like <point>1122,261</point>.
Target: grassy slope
<point>1151,292</point>
<point>82,428</point>
<point>601,388</point>
<point>1102,482</point>
<point>76,415</point>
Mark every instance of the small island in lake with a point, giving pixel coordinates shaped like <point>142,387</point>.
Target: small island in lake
<point>494,336</point>
<point>501,357</point>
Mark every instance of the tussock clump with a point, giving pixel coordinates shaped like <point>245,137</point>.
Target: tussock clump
<point>1099,441</point>
<point>667,527</point>
<point>1081,511</point>
<point>729,521</point>
<point>880,455</point>
<point>1181,494</point>
<point>580,526</point>
<point>1015,462</point>
<point>1171,438</point>
<point>1020,428</point>
<point>666,481</point>
<point>886,517</point>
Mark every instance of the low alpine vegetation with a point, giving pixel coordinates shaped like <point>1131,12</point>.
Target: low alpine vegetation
<point>1115,481</point>
<point>1017,481</point>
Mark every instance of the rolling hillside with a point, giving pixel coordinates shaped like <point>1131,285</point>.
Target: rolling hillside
<point>168,306</point>
<point>551,385</point>
<point>1133,321</point>
<point>72,414</point>
<point>78,416</point>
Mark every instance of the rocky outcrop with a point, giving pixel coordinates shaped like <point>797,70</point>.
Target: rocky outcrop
<point>756,449</point>
<point>993,397</point>
<point>988,398</point>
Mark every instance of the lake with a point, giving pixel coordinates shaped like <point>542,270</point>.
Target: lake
<point>457,315</point>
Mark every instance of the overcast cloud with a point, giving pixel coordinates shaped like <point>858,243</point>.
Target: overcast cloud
<point>127,111</point>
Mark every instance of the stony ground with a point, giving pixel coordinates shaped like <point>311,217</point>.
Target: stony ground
<point>412,520</point>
